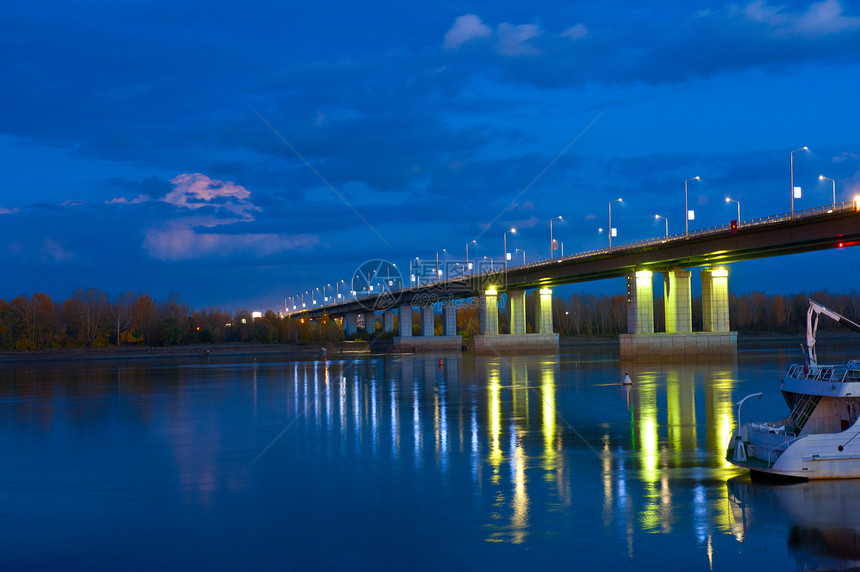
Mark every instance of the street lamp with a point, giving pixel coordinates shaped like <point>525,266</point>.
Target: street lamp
<point>823,178</point>
<point>524,254</point>
<point>469,264</point>
<point>491,263</point>
<point>686,210</point>
<point>512,231</point>
<point>728,200</point>
<point>551,241</point>
<point>804,148</point>
<point>618,200</point>
<point>667,223</point>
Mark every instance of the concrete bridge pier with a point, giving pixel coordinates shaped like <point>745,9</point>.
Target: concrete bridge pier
<point>350,324</point>
<point>388,321</point>
<point>518,312</point>
<point>640,303</point>
<point>543,311</point>
<point>489,307</point>
<point>517,341</point>
<point>405,321</point>
<point>428,341</point>
<point>676,293</point>
<point>678,339</point>
<point>427,313</point>
<point>715,300</point>
<point>449,318</point>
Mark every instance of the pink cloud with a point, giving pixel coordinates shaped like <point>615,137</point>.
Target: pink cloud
<point>195,190</point>
<point>465,28</point>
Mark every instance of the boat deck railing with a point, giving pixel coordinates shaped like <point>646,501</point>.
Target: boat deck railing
<point>831,373</point>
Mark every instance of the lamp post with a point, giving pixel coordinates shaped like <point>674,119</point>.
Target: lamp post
<point>325,298</point>
<point>618,200</point>
<point>729,200</point>
<point>524,254</point>
<point>667,223</point>
<point>804,148</point>
<point>551,242</point>
<point>491,263</point>
<point>823,178</point>
<point>467,268</point>
<point>512,231</point>
<point>686,210</point>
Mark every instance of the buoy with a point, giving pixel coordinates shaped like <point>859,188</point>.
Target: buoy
<point>627,380</point>
<point>440,363</point>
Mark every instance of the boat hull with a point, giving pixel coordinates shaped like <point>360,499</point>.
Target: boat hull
<point>817,456</point>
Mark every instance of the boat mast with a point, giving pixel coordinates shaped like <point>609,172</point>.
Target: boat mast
<point>812,316</point>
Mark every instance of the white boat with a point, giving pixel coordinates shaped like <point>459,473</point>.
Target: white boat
<point>820,437</point>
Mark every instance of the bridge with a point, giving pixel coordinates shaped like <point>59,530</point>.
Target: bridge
<point>832,226</point>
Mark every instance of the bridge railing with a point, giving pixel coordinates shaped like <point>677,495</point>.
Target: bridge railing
<point>757,222</point>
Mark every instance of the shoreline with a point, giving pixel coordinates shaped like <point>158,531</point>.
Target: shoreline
<point>305,350</point>
<point>157,352</point>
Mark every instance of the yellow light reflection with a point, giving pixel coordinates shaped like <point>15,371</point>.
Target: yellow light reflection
<point>495,422</point>
<point>519,520</point>
<point>548,417</point>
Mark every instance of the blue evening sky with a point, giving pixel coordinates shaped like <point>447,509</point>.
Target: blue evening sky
<point>240,153</point>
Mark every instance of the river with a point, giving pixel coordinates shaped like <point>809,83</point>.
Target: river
<point>404,462</point>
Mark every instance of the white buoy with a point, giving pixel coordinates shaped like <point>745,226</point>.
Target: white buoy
<point>627,380</point>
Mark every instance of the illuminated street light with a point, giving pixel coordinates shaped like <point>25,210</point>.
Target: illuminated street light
<point>524,254</point>
<point>469,264</point>
<point>551,241</point>
<point>729,200</point>
<point>618,200</point>
<point>512,231</point>
<point>667,223</point>
<point>792,178</point>
<point>823,178</point>
<point>686,209</point>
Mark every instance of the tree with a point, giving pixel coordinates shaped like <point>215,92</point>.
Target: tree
<point>35,322</point>
<point>120,313</point>
<point>87,316</point>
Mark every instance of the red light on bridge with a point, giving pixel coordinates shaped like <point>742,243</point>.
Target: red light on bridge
<point>734,226</point>
<point>841,245</point>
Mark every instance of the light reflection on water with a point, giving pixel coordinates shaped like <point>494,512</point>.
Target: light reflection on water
<point>458,462</point>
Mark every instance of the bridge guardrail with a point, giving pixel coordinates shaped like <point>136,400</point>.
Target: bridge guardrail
<point>752,223</point>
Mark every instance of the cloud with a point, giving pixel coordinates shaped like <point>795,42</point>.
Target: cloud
<point>8,211</point>
<point>193,191</point>
<point>180,242</point>
<point>514,40</point>
<point>575,32</point>
<point>465,28</point>
<point>822,18</point>
<point>510,40</point>
<point>53,250</point>
<point>125,201</point>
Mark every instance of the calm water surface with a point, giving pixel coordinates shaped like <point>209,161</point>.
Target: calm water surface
<point>403,463</point>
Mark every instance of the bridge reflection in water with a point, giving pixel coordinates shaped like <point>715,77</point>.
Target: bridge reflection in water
<point>539,439</point>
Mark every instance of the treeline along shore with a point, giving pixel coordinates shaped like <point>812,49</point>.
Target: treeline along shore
<point>90,319</point>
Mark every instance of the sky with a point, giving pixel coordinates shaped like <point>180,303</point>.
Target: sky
<point>239,154</point>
